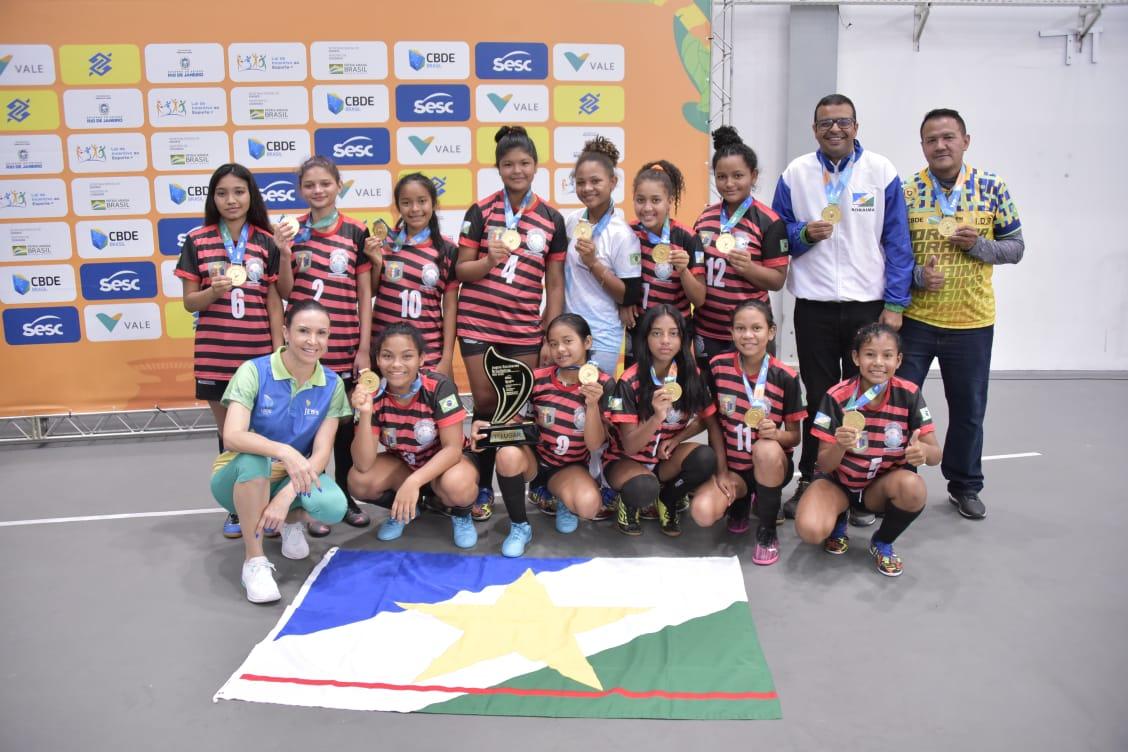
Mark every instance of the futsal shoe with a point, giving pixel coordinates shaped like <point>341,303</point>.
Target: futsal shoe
<point>318,529</point>
<point>294,543</point>
<point>967,504</point>
<point>566,520</point>
<point>862,518</point>
<point>465,536</point>
<point>649,513</point>
<point>790,505</point>
<point>483,507</point>
<point>610,499</point>
<point>888,563</point>
<point>668,518</point>
<point>390,529</point>
<point>355,517</point>
<point>767,547</point>
<point>520,533</point>
<point>259,582</point>
<point>839,541</point>
<point>540,498</point>
<point>231,528</point>
<point>627,519</point>
<point>737,524</point>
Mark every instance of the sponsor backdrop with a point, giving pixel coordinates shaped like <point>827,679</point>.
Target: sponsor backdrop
<point>111,122</point>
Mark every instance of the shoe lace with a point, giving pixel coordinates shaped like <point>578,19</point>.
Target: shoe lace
<point>261,564</point>
<point>462,522</point>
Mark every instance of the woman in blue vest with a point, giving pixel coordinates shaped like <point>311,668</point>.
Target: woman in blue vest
<point>282,413</point>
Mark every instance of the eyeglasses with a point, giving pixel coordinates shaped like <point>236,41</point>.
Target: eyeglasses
<point>843,123</point>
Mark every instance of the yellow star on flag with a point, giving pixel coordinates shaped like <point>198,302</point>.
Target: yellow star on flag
<point>524,620</point>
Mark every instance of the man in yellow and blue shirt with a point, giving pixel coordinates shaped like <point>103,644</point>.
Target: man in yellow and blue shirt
<point>962,222</point>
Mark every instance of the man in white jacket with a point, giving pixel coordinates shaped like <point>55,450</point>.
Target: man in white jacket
<point>851,259</point>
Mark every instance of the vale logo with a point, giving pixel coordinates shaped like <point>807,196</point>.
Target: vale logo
<point>576,61</point>
<point>499,101</point>
<point>589,104</point>
<point>19,110</point>
<point>4,63</point>
<point>421,144</point>
<point>110,322</point>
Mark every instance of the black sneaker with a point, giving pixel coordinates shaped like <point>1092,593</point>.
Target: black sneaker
<point>627,519</point>
<point>969,505</point>
<point>668,518</point>
<point>789,506</point>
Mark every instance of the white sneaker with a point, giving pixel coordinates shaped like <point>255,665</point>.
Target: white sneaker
<point>294,543</point>
<point>259,581</point>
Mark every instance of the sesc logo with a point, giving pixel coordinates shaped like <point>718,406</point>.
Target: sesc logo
<point>41,326</point>
<point>511,60</point>
<point>118,281</point>
<point>279,190</point>
<point>422,103</point>
<point>354,146</point>
<point>171,234</point>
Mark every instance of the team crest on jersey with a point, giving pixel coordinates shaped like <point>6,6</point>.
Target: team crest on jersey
<point>728,403</point>
<point>430,275</point>
<point>536,241</point>
<point>663,271</point>
<point>388,435</point>
<point>546,416</point>
<point>615,403</point>
<point>579,419</point>
<point>266,405</point>
<point>339,262</point>
<point>742,241</point>
<point>893,435</point>
<point>706,237</point>
<point>255,270</point>
<point>304,260</point>
<point>673,416</point>
<point>425,431</point>
<point>393,271</point>
<point>215,268</point>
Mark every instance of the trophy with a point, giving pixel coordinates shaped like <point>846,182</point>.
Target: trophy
<point>513,383</point>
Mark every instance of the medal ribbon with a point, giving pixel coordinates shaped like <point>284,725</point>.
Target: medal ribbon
<point>235,252</point>
<point>655,240</point>
<point>756,395</point>
<point>671,375</point>
<point>727,222</point>
<point>512,219</point>
<point>414,241</point>
<point>309,226</point>
<point>601,225</point>
<point>857,403</point>
<point>947,203</point>
<point>415,387</point>
<point>836,182</point>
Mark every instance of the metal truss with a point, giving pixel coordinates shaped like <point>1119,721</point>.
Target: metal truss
<point>43,429</point>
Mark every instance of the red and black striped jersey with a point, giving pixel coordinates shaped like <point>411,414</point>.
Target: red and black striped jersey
<point>411,431</point>
<point>236,327</point>
<point>660,283</point>
<point>412,284</point>
<point>326,267</point>
<point>782,392</point>
<point>764,235</point>
<point>505,305</point>
<point>561,413</point>
<point>622,409</point>
<point>890,422</point>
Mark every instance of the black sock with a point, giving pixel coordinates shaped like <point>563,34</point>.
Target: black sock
<point>640,491</point>
<point>513,492</point>
<point>460,511</point>
<point>767,504</point>
<point>384,500</point>
<point>219,438</point>
<point>894,523</point>
<point>741,508</point>
<point>697,468</point>
<point>486,459</point>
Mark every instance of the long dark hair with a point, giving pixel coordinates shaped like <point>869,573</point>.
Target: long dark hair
<point>578,324</point>
<point>695,394</point>
<point>256,212</point>
<point>510,137</point>
<point>423,180</point>
<point>398,329</point>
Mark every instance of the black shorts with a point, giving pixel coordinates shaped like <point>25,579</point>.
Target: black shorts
<point>854,498</point>
<point>545,473</point>
<point>474,347</point>
<point>749,477</point>
<point>210,390</point>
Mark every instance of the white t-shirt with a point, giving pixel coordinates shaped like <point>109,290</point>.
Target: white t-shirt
<point>617,248</point>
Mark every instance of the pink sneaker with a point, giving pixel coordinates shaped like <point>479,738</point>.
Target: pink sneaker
<point>737,525</point>
<point>767,547</point>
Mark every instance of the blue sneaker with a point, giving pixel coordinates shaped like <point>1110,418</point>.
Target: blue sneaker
<point>566,520</point>
<point>540,498</point>
<point>607,509</point>
<point>839,541</point>
<point>465,536</point>
<point>231,528</point>
<point>520,533</point>
<point>390,530</point>
<point>483,507</point>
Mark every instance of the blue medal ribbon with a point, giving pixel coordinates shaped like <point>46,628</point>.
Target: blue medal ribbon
<point>756,396</point>
<point>836,182</point>
<point>306,232</point>
<point>671,375</point>
<point>655,240</point>
<point>512,219</point>
<point>414,241</point>
<point>235,251</point>
<point>415,387</point>
<point>948,203</point>
<point>601,225</point>
<point>727,222</point>
<point>857,403</point>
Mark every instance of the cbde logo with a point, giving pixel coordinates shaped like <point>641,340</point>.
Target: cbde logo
<point>41,326</point>
<point>354,146</point>
<point>118,281</point>
<point>422,103</point>
<point>279,190</point>
<point>171,234</point>
<point>511,60</point>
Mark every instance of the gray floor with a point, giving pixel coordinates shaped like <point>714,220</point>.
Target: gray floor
<point>1001,634</point>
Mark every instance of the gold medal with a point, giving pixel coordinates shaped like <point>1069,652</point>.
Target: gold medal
<point>511,239</point>
<point>589,373</point>
<point>854,420</point>
<point>291,223</point>
<point>948,226</point>
<point>726,241</point>
<point>237,273</point>
<point>661,253</point>
<point>582,230</point>
<point>832,214</point>
<point>369,380</point>
<point>380,230</point>
<point>754,417</point>
<point>674,389</point>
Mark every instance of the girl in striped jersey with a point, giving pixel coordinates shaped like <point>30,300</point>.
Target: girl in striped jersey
<point>760,406</point>
<point>869,427</point>
<point>417,416</point>
<point>229,268</point>
<point>676,277</point>
<point>571,428</point>
<point>413,274</point>
<point>745,244</point>
<point>659,403</point>
<point>510,257</point>
<point>323,259</point>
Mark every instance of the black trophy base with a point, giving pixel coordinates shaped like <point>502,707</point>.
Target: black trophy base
<point>509,434</point>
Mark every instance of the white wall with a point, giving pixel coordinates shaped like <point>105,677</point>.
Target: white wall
<point>1049,129</point>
